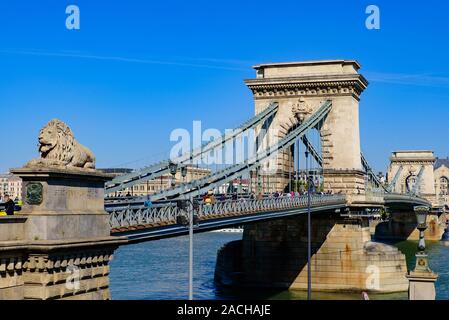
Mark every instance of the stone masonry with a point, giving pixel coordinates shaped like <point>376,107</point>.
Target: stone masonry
<point>303,87</point>
<point>274,254</point>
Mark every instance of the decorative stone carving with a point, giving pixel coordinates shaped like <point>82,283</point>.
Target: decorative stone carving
<point>301,110</point>
<point>34,193</point>
<point>58,148</point>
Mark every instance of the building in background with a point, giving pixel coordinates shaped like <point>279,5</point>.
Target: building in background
<point>10,185</point>
<point>158,184</point>
<point>236,186</point>
<point>441,174</point>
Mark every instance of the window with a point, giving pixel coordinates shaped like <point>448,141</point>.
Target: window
<point>444,186</point>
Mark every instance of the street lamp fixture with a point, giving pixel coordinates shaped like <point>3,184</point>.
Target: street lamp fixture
<point>422,279</point>
<point>173,167</point>
<point>421,256</point>
<point>184,172</point>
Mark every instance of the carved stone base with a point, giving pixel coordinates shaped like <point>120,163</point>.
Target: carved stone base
<point>11,274</point>
<point>59,247</point>
<point>422,285</point>
<point>72,273</point>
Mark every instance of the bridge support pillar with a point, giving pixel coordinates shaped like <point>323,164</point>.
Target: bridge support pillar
<point>59,247</point>
<point>274,254</point>
<point>402,226</point>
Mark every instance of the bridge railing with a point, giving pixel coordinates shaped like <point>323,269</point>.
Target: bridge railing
<point>159,215</point>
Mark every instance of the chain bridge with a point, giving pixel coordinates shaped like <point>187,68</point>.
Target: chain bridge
<point>295,100</point>
<point>303,148</point>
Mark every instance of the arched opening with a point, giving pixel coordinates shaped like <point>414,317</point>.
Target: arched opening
<point>444,186</point>
<point>409,183</point>
<point>300,166</point>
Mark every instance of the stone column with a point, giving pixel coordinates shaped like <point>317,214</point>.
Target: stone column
<point>422,285</point>
<point>66,233</point>
<point>305,86</point>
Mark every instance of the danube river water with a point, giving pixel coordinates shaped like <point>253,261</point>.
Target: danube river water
<point>158,270</point>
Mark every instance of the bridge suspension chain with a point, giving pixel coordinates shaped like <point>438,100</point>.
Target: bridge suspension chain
<point>197,187</point>
<point>371,173</point>
<point>392,185</point>
<point>415,190</point>
<point>365,163</point>
<point>163,167</point>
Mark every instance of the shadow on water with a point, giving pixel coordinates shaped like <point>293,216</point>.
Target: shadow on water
<point>158,270</point>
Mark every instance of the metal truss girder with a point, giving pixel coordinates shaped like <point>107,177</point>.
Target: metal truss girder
<point>370,172</point>
<point>415,189</point>
<point>392,185</point>
<point>161,168</point>
<point>155,172</point>
<point>257,119</point>
<point>251,210</point>
<point>312,150</point>
<point>197,187</point>
<point>264,130</point>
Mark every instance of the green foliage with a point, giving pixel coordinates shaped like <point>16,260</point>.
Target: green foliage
<point>384,214</point>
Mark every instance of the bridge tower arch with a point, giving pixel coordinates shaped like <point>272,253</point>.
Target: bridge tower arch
<point>407,167</point>
<point>300,88</point>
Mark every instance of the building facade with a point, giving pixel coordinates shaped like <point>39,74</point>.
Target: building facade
<point>10,185</point>
<point>441,174</point>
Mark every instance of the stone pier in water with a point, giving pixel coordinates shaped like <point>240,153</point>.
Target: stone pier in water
<point>274,255</point>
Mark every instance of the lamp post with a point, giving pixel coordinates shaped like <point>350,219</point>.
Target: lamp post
<point>421,218</point>
<point>422,279</point>
<point>192,210</point>
<point>190,206</point>
<point>309,233</point>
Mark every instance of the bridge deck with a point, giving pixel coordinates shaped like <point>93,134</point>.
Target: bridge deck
<point>161,222</point>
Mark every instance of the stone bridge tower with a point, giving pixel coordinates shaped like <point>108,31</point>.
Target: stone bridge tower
<point>304,86</point>
<point>403,174</point>
<point>407,165</point>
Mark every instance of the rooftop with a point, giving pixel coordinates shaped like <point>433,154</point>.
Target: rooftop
<point>307,63</point>
<point>308,71</point>
<point>441,162</point>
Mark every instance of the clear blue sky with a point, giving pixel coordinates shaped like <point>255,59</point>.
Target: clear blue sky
<point>136,70</point>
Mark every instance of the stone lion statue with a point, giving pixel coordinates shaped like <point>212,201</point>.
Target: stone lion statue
<point>58,147</point>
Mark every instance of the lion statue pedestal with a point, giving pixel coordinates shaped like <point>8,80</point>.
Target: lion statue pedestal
<point>63,203</point>
<point>66,234</point>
